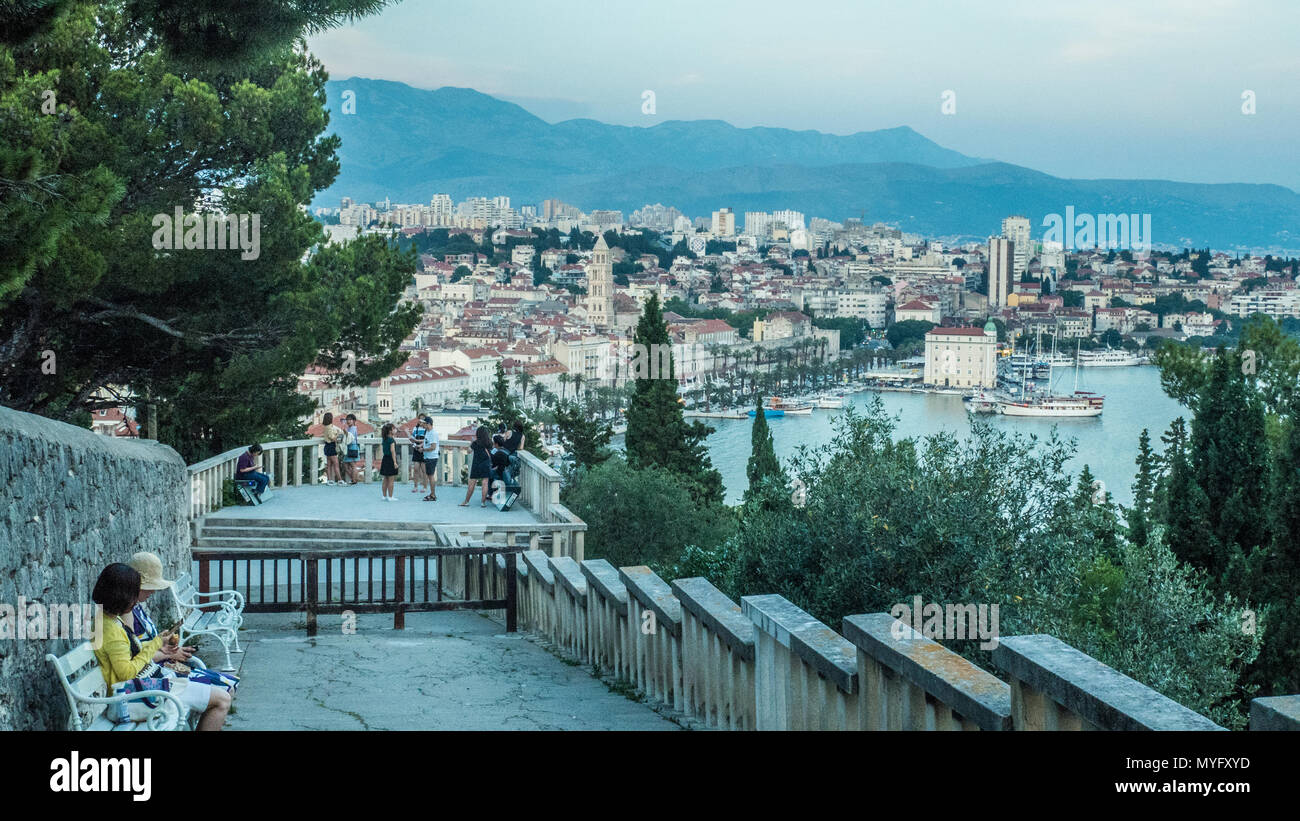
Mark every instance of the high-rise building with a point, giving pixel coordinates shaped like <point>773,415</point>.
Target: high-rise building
<point>756,223</point>
<point>724,223</point>
<point>1001,260</point>
<point>1016,229</point>
<point>600,286</point>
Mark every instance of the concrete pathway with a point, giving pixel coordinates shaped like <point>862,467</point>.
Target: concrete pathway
<point>445,671</point>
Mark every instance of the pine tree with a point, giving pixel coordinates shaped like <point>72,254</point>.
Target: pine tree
<point>657,432</point>
<point>762,458</point>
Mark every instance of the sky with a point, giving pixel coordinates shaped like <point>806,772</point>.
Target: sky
<point>1105,88</point>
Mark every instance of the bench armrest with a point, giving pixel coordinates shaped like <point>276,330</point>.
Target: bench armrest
<point>156,714</point>
<point>233,596</point>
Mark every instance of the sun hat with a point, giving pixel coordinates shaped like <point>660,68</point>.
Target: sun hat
<point>150,568</point>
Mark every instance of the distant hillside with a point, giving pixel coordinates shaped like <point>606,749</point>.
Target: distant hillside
<point>407,144</point>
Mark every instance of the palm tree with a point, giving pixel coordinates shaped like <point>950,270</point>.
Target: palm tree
<point>564,380</point>
<point>523,379</point>
<point>539,391</point>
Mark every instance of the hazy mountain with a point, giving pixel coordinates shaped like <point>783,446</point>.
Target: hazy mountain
<point>407,144</point>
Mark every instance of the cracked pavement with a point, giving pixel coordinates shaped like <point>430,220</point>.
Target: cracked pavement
<point>445,671</point>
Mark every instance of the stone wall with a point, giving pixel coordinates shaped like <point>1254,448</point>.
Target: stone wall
<point>71,502</point>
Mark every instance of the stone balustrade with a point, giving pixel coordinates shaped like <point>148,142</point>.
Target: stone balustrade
<point>805,674</point>
<point>1275,713</point>
<point>910,682</point>
<point>1056,687</point>
<point>607,618</point>
<point>717,656</point>
<point>767,664</point>
<point>654,620</point>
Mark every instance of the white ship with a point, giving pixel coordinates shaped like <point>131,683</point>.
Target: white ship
<point>1108,359</point>
<point>829,401</point>
<point>1077,404</point>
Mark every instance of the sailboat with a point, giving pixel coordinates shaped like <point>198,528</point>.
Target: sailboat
<point>1077,404</point>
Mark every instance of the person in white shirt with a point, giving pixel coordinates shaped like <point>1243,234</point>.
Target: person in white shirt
<point>431,458</point>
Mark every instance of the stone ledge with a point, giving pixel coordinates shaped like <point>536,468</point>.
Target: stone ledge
<point>538,565</point>
<point>820,647</point>
<point>719,614</point>
<point>1275,713</point>
<point>604,580</point>
<point>654,594</point>
<point>569,575</point>
<point>976,694</point>
<point>1099,694</point>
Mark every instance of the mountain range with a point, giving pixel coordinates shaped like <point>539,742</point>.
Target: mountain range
<point>407,144</point>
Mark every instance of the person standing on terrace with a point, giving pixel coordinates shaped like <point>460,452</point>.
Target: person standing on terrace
<point>480,468</point>
<point>331,436</point>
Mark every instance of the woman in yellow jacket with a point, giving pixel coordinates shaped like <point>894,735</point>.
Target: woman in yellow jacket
<point>124,658</point>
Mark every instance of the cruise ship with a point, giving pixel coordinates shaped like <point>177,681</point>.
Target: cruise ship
<point>1108,359</point>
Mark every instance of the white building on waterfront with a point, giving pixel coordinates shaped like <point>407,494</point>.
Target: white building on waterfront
<point>962,357</point>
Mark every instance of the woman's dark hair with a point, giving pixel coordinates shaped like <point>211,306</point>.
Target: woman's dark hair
<point>117,588</point>
<point>329,419</point>
<point>499,440</point>
<point>352,417</point>
<point>484,436</point>
<point>519,427</point>
<point>386,429</point>
<point>254,448</point>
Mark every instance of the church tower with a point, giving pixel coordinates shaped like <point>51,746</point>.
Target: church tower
<point>600,287</point>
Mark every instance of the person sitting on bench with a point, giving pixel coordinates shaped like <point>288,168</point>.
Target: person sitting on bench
<point>249,469</point>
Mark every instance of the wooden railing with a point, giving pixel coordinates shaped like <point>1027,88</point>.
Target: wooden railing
<point>396,579</point>
<point>302,462</point>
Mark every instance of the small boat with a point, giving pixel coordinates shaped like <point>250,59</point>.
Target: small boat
<point>981,402</point>
<point>768,413</point>
<point>829,402</point>
<point>789,408</point>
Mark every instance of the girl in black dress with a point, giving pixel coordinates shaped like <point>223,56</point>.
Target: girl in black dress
<point>388,467</point>
<point>480,468</point>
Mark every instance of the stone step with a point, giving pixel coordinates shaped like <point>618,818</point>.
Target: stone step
<point>294,545</point>
<point>325,524</point>
<point>331,532</point>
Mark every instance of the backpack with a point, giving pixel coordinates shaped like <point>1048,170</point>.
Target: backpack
<point>354,447</point>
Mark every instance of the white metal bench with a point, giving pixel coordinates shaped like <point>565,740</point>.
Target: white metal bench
<point>83,680</point>
<point>220,617</point>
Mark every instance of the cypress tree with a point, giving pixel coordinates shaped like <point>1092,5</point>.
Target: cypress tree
<point>657,432</point>
<point>1143,491</point>
<point>762,457</point>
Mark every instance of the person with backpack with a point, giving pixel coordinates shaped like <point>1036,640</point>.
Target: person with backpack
<point>419,475</point>
<point>351,449</point>
<point>249,469</point>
